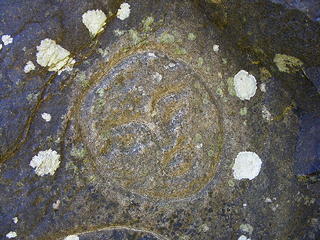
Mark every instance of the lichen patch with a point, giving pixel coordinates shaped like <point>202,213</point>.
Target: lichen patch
<point>266,114</point>
<point>246,228</point>
<point>245,85</point>
<point>29,67</point>
<point>52,55</point>
<point>72,237</point>
<point>15,220</point>
<point>243,237</point>
<point>124,11</point>
<point>247,165</point>
<point>94,20</point>
<point>46,117</point>
<point>216,48</point>
<point>287,63</point>
<point>11,235</point>
<point>46,162</point>
<point>7,39</point>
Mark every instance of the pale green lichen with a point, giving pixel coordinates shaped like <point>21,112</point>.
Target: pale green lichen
<point>177,36</point>
<point>197,85</point>
<point>219,91</point>
<point>32,97</point>
<point>192,36</point>
<point>287,63</point>
<point>200,61</point>
<point>224,60</point>
<point>104,52</point>
<point>206,99</point>
<point>243,111</point>
<point>231,90</point>
<point>147,22</point>
<point>231,183</point>
<point>167,38</point>
<point>210,153</point>
<point>119,32</point>
<point>180,51</point>
<point>78,152</point>
<point>198,138</point>
<point>100,92</point>
<point>82,79</point>
<point>246,228</point>
<point>134,35</point>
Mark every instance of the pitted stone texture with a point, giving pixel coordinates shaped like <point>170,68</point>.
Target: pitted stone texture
<point>155,137</point>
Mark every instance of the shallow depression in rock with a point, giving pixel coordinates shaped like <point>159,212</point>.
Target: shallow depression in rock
<point>152,127</point>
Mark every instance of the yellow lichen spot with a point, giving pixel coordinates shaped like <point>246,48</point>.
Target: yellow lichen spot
<point>287,63</point>
<point>264,74</point>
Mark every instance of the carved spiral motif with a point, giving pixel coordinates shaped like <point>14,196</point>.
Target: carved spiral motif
<point>152,127</point>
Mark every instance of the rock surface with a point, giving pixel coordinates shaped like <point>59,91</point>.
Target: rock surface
<point>148,126</point>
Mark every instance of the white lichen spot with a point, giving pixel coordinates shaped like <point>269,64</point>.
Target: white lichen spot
<point>52,55</point>
<point>46,162</point>
<point>170,65</point>
<point>7,39</point>
<point>204,228</point>
<point>246,228</point>
<point>242,237</point>
<point>275,207</point>
<point>266,114</point>
<point>263,87</point>
<point>244,205</point>
<point>247,165</point>
<point>104,52</point>
<point>29,67</point>
<point>123,11</point>
<point>11,234</point>
<point>152,55</point>
<point>72,237</point>
<point>15,220</point>
<point>56,205</point>
<point>94,20</point>
<point>0,46</point>
<point>245,85</point>
<point>46,117</point>
<point>119,32</point>
<point>157,76</point>
<point>199,146</point>
<point>216,48</point>
<point>268,200</point>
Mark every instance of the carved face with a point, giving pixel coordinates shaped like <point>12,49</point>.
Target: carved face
<point>153,128</point>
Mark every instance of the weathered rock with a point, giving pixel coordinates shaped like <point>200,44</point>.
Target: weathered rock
<point>147,124</point>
